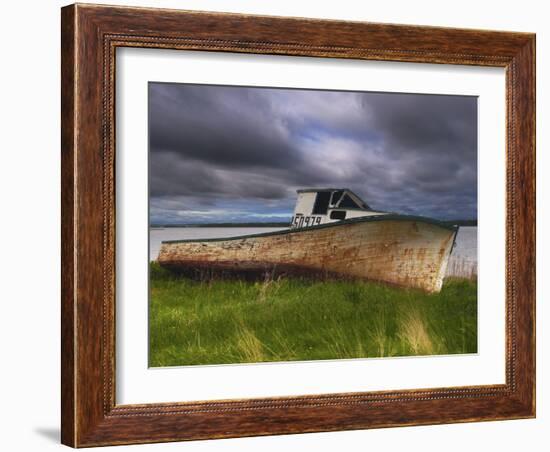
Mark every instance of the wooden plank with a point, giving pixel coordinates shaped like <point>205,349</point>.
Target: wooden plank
<point>68,244</point>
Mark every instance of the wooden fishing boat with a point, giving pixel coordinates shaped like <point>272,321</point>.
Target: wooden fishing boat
<point>333,233</point>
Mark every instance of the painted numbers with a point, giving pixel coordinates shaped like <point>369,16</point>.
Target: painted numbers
<point>302,221</point>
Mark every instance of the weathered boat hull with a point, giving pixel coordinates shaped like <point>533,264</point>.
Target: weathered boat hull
<point>400,250</point>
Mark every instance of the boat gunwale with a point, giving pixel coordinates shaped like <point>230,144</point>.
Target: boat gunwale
<point>365,219</point>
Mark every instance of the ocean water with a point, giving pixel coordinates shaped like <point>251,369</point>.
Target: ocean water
<point>463,261</point>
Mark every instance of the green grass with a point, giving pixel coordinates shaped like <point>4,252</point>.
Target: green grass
<point>234,321</point>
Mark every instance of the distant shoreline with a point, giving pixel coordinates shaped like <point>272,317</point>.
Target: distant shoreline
<point>224,225</point>
<point>270,225</point>
<point>462,222</point>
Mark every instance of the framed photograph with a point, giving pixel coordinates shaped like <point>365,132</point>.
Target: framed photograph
<point>281,225</point>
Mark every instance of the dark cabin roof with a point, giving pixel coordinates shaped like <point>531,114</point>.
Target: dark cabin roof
<point>315,190</point>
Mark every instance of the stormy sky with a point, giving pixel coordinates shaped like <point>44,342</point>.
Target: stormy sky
<point>238,154</point>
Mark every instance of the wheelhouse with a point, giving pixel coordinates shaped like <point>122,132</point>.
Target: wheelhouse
<point>327,205</point>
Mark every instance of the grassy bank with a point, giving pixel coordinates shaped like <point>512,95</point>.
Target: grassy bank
<point>231,321</point>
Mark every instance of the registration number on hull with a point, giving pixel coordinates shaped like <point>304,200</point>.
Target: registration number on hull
<point>303,221</point>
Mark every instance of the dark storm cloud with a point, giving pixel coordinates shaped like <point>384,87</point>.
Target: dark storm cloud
<point>239,154</point>
<point>426,123</point>
<point>216,124</point>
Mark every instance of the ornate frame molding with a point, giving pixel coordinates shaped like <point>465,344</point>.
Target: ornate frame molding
<point>90,37</point>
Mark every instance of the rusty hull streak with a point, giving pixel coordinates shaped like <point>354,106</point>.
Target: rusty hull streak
<point>404,253</point>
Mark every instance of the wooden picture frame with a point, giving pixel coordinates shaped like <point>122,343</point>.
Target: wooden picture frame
<point>90,36</point>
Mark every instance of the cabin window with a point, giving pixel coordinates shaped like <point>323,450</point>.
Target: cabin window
<point>348,203</point>
<point>338,215</point>
<point>336,195</point>
<point>321,203</point>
